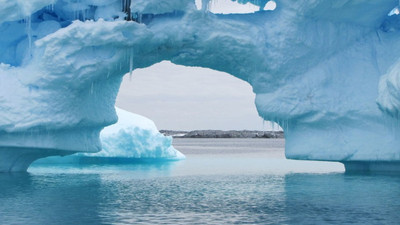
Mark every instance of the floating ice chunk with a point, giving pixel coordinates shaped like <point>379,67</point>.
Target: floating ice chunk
<point>132,138</point>
<point>135,136</point>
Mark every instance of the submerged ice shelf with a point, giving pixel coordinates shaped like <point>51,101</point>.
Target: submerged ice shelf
<point>326,71</point>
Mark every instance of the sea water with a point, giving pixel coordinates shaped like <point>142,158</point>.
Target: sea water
<point>222,181</point>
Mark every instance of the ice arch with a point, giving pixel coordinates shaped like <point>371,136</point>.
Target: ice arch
<point>314,66</point>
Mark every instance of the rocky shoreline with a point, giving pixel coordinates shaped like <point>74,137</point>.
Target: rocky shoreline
<point>223,134</point>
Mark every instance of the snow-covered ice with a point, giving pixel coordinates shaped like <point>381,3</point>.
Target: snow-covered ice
<point>135,136</point>
<point>326,71</point>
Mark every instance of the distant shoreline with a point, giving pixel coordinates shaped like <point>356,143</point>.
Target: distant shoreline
<point>223,134</point>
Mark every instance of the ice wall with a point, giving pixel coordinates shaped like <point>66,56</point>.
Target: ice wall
<point>324,70</point>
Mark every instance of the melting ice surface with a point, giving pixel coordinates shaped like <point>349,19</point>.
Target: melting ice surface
<point>133,138</point>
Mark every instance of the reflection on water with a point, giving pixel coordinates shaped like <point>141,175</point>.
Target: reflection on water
<point>50,199</point>
<point>208,188</point>
<point>342,198</point>
<point>216,199</point>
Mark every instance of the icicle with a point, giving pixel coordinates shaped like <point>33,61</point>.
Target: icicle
<point>29,33</point>
<point>263,124</point>
<point>126,8</point>
<point>108,74</point>
<point>278,125</point>
<point>205,5</point>
<point>84,15</point>
<point>287,127</point>
<point>140,16</point>
<point>130,64</point>
<point>91,89</point>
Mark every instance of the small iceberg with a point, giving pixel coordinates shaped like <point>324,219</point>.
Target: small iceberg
<point>133,139</point>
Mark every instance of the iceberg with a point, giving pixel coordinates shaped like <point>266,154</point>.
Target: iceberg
<point>326,71</point>
<point>134,138</point>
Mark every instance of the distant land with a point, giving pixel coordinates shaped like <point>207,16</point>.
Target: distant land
<point>223,134</point>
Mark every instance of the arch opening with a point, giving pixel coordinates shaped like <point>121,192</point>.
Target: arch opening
<point>191,98</point>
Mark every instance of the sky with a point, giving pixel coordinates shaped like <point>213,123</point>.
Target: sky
<point>190,98</point>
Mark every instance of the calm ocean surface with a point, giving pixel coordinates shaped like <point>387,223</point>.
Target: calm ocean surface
<point>222,181</point>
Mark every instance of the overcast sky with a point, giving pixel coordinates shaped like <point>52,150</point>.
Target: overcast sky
<point>188,98</point>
